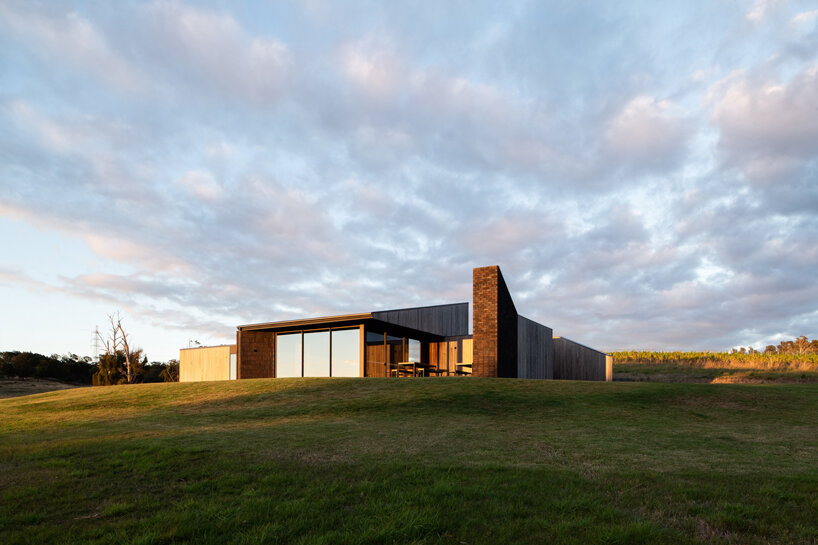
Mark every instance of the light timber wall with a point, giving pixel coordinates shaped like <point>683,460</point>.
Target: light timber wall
<point>535,350</point>
<point>205,363</point>
<point>574,361</point>
<point>468,351</point>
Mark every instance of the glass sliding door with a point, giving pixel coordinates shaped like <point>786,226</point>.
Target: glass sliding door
<point>316,354</point>
<point>346,353</point>
<point>288,355</point>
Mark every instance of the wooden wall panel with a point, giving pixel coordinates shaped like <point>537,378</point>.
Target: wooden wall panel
<point>375,366</point>
<point>205,363</point>
<point>535,350</point>
<point>574,361</point>
<point>467,352</point>
<point>443,320</point>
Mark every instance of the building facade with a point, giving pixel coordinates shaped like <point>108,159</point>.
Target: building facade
<point>419,341</point>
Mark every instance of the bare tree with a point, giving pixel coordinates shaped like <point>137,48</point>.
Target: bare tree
<point>118,343</point>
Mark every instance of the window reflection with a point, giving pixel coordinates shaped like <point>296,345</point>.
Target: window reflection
<point>316,354</point>
<point>414,350</point>
<point>288,355</point>
<point>346,353</point>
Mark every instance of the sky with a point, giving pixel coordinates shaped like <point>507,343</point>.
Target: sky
<point>644,173</point>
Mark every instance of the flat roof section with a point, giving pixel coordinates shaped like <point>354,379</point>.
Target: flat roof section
<point>445,320</point>
<point>307,321</point>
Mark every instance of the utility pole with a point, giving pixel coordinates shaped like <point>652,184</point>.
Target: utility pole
<point>95,343</point>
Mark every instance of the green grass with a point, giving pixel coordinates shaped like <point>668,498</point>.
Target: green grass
<point>411,461</point>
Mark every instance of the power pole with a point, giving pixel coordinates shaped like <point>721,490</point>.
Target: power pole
<point>95,343</point>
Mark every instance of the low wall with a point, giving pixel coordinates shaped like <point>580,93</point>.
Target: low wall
<point>205,363</point>
<point>574,361</point>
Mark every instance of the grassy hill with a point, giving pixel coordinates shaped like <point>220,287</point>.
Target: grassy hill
<point>411,461</point>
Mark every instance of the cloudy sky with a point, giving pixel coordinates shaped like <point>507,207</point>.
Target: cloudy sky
<point>645,174</point>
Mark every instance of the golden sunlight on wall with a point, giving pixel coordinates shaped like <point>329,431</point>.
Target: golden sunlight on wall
<point>205,363</point>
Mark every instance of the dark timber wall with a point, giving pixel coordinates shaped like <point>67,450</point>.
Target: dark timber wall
<point>535,350</point>
<point>256,354</point>
<point>444,320</point>
<point>495,325</point>
<point>574,361</point>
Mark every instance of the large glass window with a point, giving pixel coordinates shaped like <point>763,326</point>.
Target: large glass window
<point>414,350</point>
<point>288,355</point>
<point>346,353</point>
<point>316,354</point>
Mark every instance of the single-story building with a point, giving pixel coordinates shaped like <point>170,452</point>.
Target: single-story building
<point>419,341</point>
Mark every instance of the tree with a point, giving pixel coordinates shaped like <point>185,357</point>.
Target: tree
<point>802,345</point>
<point>120,363</point>
<point>171,371</point>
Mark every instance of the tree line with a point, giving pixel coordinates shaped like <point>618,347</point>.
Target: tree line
<point>83,370</point>
<point>798,352</point>
<point>121,363</point>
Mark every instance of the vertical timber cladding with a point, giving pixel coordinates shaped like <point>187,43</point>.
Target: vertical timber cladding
<point>535,350</point>
<point>574,361</point>
<point>445,320</point>
<point>494,325</point>
<point>256,354</point>
<point>205,363</point>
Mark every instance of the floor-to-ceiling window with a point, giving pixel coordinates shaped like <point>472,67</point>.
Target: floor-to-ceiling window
<point>346,353</point>
<point>316,354</point>
<point>335,353</point>
<point>288,355</point>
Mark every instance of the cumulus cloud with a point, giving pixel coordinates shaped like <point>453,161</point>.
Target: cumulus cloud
<point>72,38</point>
<point>805,17</point>
<point>214,48</point>
<point>293,166</point>
<point>766,125</point>
<point>201,185</point>
<point>761,9</point>
<point>647,133</point>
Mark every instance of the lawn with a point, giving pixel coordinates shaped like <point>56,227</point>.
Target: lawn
<point>444,460</point>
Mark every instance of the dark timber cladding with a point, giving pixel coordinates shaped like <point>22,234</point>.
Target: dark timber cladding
<point>535,350</point>
<point>494,324</point>
<point>574,361</point>
<point>444,320</point>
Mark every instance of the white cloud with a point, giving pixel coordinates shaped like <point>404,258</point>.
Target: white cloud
<point>213,46</point>
<point>202,185</point>
<point>647,132</point>
<point>765,125</point>
<point>761,9</point>
<point>71,37</point>
<point>277,153</point>
<point>805,17</point>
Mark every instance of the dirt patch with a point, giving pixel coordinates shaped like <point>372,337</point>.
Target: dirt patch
<point>742,379</point>
<point>658,377</point>
<point>27,386</point>
<point>732,378</point>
